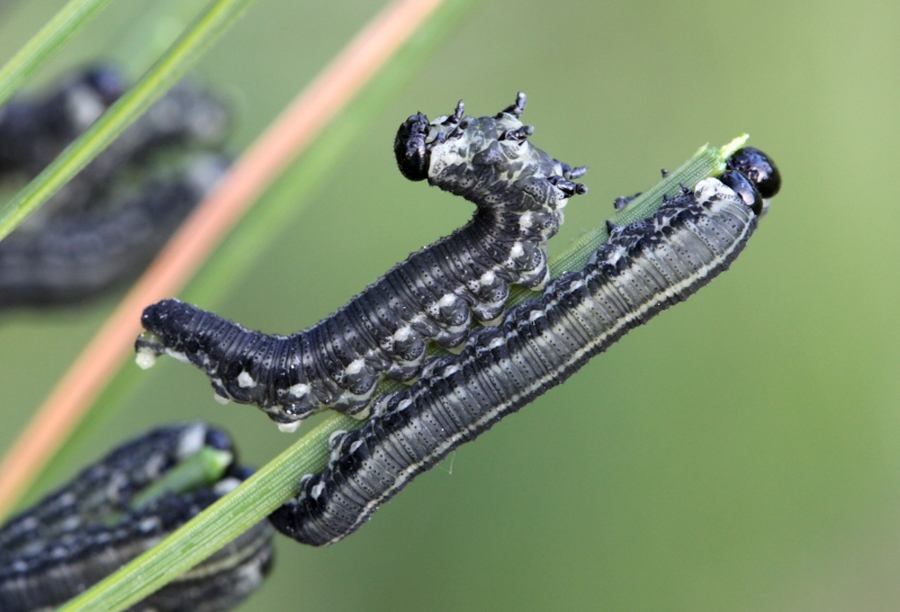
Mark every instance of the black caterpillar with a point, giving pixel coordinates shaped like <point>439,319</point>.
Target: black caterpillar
<point>89,528</point>
<point>72,257</point>
<point>644,268</point>
<point>519,191</point>
<point>109,221</point>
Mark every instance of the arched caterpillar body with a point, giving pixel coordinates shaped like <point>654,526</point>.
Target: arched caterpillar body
<point>643,269</point>
<point>89,528</point>
<point>433,295</point>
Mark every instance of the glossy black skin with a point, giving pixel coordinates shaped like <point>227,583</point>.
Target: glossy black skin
<point>745,189</point>
<point>756,166</point>
<point>413,156</point>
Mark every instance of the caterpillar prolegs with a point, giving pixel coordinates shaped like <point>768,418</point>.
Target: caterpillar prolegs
<point>98,522</point>
<point>644,268</point>
<point>519,192</point>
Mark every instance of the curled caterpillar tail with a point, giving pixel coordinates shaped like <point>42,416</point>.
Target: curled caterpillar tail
<point>644,268</point>
<point>519,191</point>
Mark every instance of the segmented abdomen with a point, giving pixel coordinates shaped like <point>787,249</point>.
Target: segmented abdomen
<point>643,269</point>
<point>433,295</point>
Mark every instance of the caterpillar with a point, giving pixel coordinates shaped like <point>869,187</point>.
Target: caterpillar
<point>644,268</point>
<point>519,192</point>
<point>89,528</point>
<point>111,219</point>
<point>34,132</point>
<point>73,257</point>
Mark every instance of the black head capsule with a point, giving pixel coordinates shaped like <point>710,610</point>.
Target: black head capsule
<point>756,166</point>
<point>745,190</point>
<point>413,155</point>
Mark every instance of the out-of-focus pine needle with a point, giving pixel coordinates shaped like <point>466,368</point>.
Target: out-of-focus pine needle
<point>287,136</point>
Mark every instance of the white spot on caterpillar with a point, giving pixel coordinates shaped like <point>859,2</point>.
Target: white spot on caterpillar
<point>447,300</point>
<point>145,358</point>
<point>85,107</point>
<point>708,189</point>
<point>488,278</point>
<point>225,486</point>
<point>221,399</point>
<point>402,334</point>
<point>362,415</point>
<point>149,524</point>
<point>317,490</point>
<point>298,390</point>
<point>179,356</point>
<point>191,441</point>
<point>70,524</point>
<point>516,250</point>
<point>355,366</point>
<point>289,427</point>
<point>526,221</point>
<point>245,381</point>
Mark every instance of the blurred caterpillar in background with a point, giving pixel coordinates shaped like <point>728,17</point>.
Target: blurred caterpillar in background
<point>98,522</point>
<point>519,192</point>
<point>644,268</point>
<point>106,224</point>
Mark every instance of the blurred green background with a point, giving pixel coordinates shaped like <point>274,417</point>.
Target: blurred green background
<point>738,453</point>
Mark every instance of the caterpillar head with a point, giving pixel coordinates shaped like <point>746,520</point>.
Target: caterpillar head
<point>417,137</point>
<point>753,176</point>
<point>487,160</point>
<point>410,149</point>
